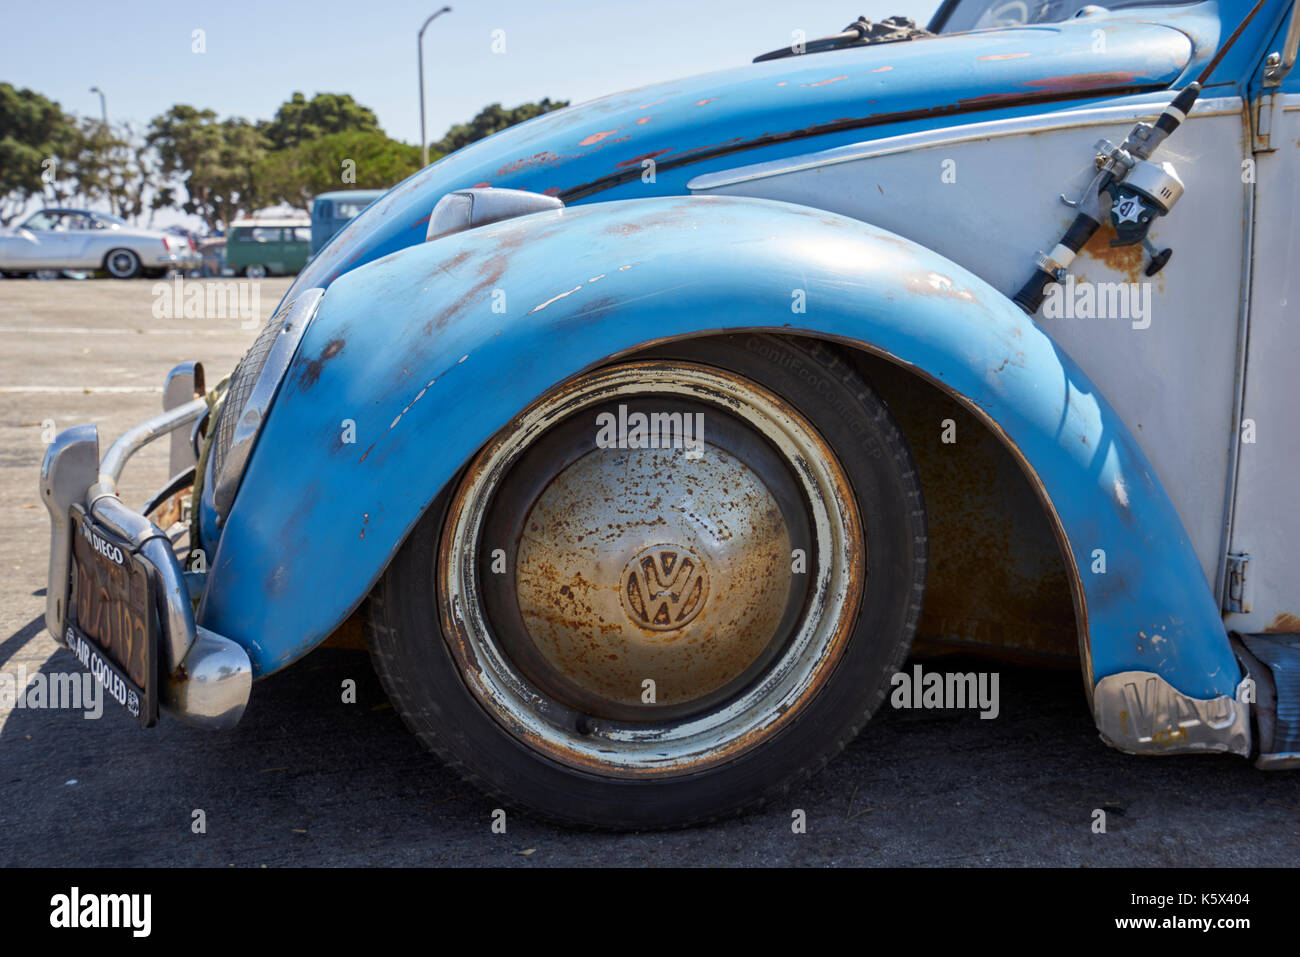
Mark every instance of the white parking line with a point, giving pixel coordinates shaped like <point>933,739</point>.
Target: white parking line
<point>87,389</point>
<point>79,331</point>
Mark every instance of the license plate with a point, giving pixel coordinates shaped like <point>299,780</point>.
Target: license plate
<point>112,618</point>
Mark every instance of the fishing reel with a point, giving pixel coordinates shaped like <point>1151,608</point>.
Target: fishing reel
<point>1139,192</point>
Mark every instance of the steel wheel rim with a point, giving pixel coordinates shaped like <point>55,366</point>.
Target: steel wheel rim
<point>120,263</point>
<point>770,699</point>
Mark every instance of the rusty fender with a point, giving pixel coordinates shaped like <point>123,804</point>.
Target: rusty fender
<point>431,350</point>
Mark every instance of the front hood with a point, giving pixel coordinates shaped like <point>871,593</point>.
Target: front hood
<point>769,110</point>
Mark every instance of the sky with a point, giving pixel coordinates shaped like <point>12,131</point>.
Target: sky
<point>258,54</point>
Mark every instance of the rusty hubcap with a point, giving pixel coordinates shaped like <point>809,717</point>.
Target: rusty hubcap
<point>653,600</point>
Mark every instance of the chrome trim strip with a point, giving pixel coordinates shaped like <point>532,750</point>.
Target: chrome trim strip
<point>951,135</point>
<point>253,414</point>
<point>1139,712</point>
<point>1238,391</point>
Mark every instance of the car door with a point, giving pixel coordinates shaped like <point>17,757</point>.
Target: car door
<point>35,242</point>
<point>79,238</point>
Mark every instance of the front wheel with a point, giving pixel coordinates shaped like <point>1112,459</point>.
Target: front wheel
<point>256,271</point>
<point>669,591</point>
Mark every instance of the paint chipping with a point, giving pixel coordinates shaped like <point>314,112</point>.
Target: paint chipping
<point>541,306</point>
<point>834,79</point>
<point>1121,492</point>
<point>597,137</point>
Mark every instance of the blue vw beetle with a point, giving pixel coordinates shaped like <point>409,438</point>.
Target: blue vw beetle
<point>645,438</point>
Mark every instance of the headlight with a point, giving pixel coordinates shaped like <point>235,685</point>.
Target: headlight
<point>468,208</point>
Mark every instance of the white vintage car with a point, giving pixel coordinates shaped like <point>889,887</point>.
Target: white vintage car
<point>52,239</point>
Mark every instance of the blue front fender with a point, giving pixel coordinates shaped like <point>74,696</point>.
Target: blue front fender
<point>423,355</point>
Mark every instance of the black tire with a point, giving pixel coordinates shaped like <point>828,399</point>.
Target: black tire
<point>122,264</point>
<point>256,271</point>
<point>424,680</point>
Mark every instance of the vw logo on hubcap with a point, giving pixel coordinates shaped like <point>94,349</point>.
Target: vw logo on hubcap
<point>664,587</point>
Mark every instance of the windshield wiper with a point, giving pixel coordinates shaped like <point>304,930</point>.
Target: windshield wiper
<point>861,32</point>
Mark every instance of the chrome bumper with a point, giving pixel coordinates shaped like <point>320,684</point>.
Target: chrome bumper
<point>205,679</point>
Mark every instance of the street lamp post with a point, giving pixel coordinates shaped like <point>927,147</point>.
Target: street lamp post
<point>419,43</point>
<point>103,105</point>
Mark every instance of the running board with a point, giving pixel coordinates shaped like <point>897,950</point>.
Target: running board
<point>1275,661</point>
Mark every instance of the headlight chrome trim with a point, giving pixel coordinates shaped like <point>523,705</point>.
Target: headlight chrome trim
<point>296,316</point>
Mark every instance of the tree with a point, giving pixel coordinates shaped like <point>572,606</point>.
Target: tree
<point>300,120</point>
<point>213,159</point>
<point>492,119</point>
<point>33,130</point>
<point>353,159</point>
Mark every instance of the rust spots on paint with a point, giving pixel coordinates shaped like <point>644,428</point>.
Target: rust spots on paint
<point>1284,624</point>
<point>544,158</point>
<point>636,160</point>
<point>1002,56</point>
<point>706,101</point>
<point>834,79</point>
<point>312,369</point>
<point>1083,81</point>
<point>1125,260</point>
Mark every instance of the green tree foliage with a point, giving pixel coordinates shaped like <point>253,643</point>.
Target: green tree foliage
<point>216,169</point>
<point>300,120</point>
<point>212,159</point>
<point>349,160</point>
<point>492,119</point>
<point>33,129</point>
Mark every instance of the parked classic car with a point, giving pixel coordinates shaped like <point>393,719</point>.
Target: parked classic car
<point>268,246</point>
<point>330,212</point>
<point>644,438</point>
<point>76,239</point>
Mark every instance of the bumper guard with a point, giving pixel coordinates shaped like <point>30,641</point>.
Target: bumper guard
<point>206,678</point>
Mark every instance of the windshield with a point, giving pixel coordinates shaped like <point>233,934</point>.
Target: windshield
<point>957,16</point>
